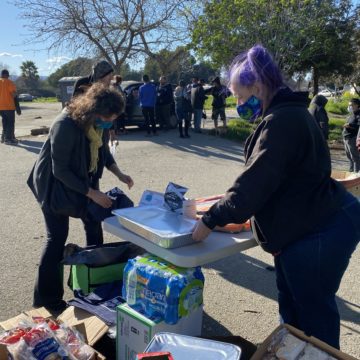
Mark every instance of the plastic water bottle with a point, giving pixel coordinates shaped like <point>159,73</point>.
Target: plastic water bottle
<point>131,286</point>
<point>173,291</point>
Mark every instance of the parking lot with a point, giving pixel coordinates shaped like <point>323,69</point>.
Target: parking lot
<point>240,292</point>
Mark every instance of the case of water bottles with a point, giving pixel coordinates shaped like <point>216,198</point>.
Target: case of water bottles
<point>160,290</point>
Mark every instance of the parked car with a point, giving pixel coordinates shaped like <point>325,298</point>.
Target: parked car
<point>327,93</point>
<point>133,111</point>
<point>25,97</point>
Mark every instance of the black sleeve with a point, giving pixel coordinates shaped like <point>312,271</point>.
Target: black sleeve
<point>63,141</point>
<point>264,172</point>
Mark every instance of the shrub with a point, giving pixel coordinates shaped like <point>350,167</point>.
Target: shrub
<point>337,106</point>
<point>231,102</point>
<point>335,129</point>
<point>239,129</point>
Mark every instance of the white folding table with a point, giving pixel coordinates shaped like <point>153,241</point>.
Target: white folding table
<point>217,246</point>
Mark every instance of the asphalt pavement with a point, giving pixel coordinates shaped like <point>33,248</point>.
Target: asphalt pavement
<point>240,291</point>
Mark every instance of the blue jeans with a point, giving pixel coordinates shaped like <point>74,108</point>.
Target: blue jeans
<point>197,119</point>
<point>309,272</point>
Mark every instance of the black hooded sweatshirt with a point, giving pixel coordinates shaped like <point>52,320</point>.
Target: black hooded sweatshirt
<point>285,187</point>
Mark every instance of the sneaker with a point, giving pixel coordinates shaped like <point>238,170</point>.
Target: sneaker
<point>148,135</point>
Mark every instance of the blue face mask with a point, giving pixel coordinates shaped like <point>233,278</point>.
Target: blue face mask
<point>250,109</point>
<point>103,124</point>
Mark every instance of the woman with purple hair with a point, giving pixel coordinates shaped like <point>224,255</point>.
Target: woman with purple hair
<point>307,220</point>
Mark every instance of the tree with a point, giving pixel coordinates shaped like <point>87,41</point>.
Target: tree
<point>177,65</point>
<point>78,67</point>
<point>117,30</point>
<point>29,74</point>
<point>302,35</point>
<point>174,64</point>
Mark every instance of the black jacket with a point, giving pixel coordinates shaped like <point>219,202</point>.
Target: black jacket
<point>285,186</point>
<point>164,94</point>
<point>66,156</point>
<point>353,124</point>
<point>198,97</point>
<point>317,110</point>
<point>219,93</point>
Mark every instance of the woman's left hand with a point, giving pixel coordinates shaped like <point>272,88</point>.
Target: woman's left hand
<point>126,179</point>
<point>201,231</point>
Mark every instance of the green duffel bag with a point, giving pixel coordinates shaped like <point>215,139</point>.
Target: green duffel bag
<point>97,265</point>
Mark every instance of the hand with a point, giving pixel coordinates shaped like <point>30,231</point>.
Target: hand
<point>126,179</point>
<point>201,231</point>
<point>99,198</point>
<point>18,111</point>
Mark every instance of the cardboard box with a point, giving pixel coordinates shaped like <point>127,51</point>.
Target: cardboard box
<point>134,331</point>
<point>90,326</point>
<point>262,350</point>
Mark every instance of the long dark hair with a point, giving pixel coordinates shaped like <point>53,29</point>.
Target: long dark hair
<point>97,100</point>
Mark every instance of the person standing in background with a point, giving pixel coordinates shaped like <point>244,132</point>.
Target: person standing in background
<point>350,132</point>
<point>164,98</point>
<point>219,93</point>
<point>317,110</point>
<point>147,97</point>
<point>181,109</point>
<point>7,108</point>
<point>101,72</point>
<point>197,102</point>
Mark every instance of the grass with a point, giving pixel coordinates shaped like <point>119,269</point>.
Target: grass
<point>239,129</point>
<point>46,100</point>
<point>231,102</point>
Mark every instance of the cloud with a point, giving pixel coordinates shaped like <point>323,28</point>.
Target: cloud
<point>6,54</point>
<point>58,60</point>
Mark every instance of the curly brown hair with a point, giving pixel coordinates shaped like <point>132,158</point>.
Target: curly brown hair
<point>97,100</point>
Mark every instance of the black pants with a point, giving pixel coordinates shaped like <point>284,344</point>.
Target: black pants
<point>49,288</point>
<point>8,124</point>
<point>120,123</point>
<point>163,115</point>
<point>149,116</point>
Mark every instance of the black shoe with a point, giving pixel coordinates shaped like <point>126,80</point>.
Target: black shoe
<point>187,136</point>
<point>11,142</point>
<point>55,309</point>
<point>182,136</point>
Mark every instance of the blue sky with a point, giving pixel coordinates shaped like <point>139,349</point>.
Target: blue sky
<point>12,50</point>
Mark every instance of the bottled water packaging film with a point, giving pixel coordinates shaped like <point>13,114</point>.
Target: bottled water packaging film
<point>160,290</point>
